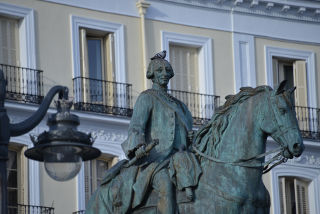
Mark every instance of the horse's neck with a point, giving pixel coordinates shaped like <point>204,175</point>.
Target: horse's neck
<point>243,137</point>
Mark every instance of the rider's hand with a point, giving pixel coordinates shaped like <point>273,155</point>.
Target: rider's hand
<point>140,152</point>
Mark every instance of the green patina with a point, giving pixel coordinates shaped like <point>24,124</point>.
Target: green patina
<point>205,173</point>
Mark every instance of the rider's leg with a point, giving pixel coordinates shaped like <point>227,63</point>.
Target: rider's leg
<point>163,185</point>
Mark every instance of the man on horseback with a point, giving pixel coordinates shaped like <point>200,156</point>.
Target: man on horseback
<point>159,116</point>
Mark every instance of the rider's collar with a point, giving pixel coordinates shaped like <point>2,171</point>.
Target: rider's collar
<point>157,87</point>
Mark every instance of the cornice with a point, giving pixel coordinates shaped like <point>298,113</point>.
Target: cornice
<point>294,10</point>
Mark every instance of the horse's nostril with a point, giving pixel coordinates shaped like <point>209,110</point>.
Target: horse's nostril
<point>296,146</point>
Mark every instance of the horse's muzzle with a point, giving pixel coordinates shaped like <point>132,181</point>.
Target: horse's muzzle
<point>295,150</point>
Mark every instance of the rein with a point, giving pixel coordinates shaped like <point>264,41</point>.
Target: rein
<point>244,162</point>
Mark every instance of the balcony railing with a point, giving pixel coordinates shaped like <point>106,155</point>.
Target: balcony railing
<point>23,84</point>
<point>309,122</point>
<point>201,106</point>
<point>102,96</point>
<point>80,212</point>
<point>30,209</point>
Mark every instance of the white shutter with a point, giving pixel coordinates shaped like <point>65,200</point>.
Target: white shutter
<point>300,81</point>
<point>282,192</point>
<point>84,66</point>
<point>300,94</point>
<point>109,58</point>
<point>84,53</point>
<point>109,73</point>
<point>184,61</point>
<point>301,196</point>
<point>9,41</point>
<point>275,71</point>
<point>87,180</point>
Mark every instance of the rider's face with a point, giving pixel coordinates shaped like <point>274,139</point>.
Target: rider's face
<point>162,73</point>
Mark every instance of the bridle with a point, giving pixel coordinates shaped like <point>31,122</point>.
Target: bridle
<point>278,158</point>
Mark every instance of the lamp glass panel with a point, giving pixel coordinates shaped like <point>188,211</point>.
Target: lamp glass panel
<point>62,163</point>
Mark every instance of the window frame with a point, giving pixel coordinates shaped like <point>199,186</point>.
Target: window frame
<point>287,192</point>
<point>27,46</point>
<point>311,174</point>
<point>93,177</point>
<point>308,56</point>
<point>205,60</point>
<point>78,22</point>
<point>22,172</point>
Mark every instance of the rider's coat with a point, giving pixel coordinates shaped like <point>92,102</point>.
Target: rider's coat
<point>157,115</point>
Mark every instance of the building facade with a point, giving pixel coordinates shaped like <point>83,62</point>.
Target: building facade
<point>100,50</point>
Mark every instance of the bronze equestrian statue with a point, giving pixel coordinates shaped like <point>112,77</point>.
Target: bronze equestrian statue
<point>219,170</point>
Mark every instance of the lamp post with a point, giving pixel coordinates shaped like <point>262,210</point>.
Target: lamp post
<point>62,148</point>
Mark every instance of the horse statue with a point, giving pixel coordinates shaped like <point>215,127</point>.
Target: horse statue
<point>231,150</point>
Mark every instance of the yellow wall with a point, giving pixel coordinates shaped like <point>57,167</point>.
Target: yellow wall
<point>60,195</point>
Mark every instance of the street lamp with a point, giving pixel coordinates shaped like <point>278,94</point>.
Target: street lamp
<point>62,148</point>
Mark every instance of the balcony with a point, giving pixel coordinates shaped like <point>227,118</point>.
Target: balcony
<point>201,106</point>
<point>102,96</point>
<point>80,212</point>
<point>30,209</point>
<point>23,84</point>
<point>309,122</point>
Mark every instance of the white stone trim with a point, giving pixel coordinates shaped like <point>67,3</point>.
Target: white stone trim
<point>119,43</point>
<point>314,188</point>
<point>205,56</point>
<point>81,189</point>
<point>26,33</point>
<point>308,56</point>
<point>244,61</point>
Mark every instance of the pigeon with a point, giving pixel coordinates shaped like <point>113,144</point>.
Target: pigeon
<point>160,55</point>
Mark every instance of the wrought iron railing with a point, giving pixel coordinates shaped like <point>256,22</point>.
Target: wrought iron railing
<point>29,209</point>
<point>80,212</point>
<point>201,106</point>
<point>309,122</point>
<point>102,96</point>
<point>23,84</point>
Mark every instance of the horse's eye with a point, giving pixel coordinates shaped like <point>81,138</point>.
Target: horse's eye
<point>282,110</point>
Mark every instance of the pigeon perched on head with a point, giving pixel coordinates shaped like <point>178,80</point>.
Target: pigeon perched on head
<point>160,55</point>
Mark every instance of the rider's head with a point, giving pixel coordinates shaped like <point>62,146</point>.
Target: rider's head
<point>159,65</point>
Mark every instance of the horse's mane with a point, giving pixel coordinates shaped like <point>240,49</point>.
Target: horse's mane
<point>208,138</point>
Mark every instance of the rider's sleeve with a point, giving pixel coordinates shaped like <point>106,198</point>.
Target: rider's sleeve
<point>139,120</point>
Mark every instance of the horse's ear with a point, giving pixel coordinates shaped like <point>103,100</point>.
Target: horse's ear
<point>291,90</point>
<point>280,88</point>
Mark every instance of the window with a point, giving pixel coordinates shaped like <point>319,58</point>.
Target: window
<point>294,71</point>
<point>184,61</point>
<point>9,42</point>
<point>293,195</point>
<point>94,173</point>
<point>17,182</point>
<point>12,175</point>
<point>97,65</point>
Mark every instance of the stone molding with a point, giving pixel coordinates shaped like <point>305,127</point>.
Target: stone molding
<point>244,61</point>
<point>297,10</point>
